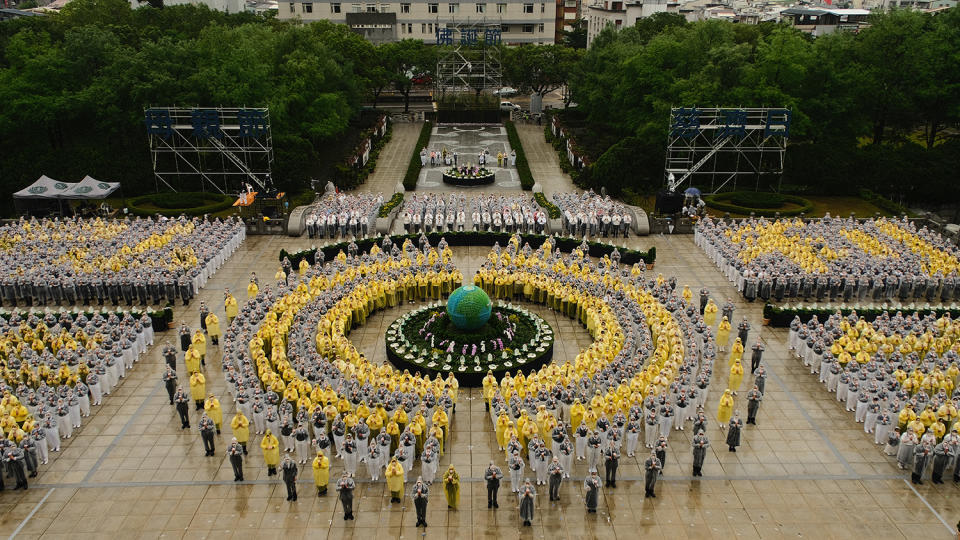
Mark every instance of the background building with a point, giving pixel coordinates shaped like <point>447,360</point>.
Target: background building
<point>621,14</point>
<point>520,21</point>
<point>567,12</point>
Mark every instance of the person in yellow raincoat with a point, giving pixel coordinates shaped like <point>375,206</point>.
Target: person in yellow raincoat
<point>489,389</point>
<point>200,344</point>
<point>241,429</point>
<point>271,452</point>
<point>723,334</point>
<point>198,389</point>
<point>321,473</point>
<point>710,313</point>
<point>230,306</point>
<point>191,360</point>
<point>451,487</point>
<point>725,409</point>
<point>736,352</point>
<point>252,290</point>
<point>213,328</point>
<point>214,411</point>
<point>736,376</point>
<point>394,476</point>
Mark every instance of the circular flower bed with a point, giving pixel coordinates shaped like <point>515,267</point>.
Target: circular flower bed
<point>468,176</point>
<point>427,340</point>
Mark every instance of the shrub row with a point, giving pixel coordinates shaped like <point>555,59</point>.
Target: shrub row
<point>580,177</point>
<point>348,177</point>
<point>386,207</point>
<point>167,203</point>
<point>551,208</point>
<point>883,203</point>
<point>474,238</point>
<point>523,168</point>
<point>413,170</point>
<point>724,202</point>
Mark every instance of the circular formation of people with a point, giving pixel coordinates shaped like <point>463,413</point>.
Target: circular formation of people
<point>877,260</point>
<point>310,400</point>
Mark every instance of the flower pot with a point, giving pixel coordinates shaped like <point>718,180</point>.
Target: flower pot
<point>650,266</point>
<point>765,322</point>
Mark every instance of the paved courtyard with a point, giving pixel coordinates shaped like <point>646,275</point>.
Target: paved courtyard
<point>806,469</point>
<point>468,141</point>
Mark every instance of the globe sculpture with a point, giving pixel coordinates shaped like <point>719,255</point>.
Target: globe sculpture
<point>469,307</point>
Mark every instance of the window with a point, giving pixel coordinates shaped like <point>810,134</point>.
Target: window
<point>453,8</point>
<point>501,8</point>
<point>335,8</point>
<point>481,8</point>
<point>292,7</point>
<point>307,7</point>
<point>541,28</point>
<point>543,7</point>
<point>504,28</point>
<point>409,28</point>
<point>404,8</point>
<point>432,8</point>
<point>528,8</point>
<point>528,29</point>
<point>356,8</point>
<point>423,28</point>
<point>371,8</point>
<point>430,27</point>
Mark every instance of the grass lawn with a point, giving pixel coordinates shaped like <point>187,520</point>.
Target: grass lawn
<point>837,206</point>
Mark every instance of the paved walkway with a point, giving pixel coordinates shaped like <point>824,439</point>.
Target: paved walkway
<point>543,160</point>
<point>393,160</point>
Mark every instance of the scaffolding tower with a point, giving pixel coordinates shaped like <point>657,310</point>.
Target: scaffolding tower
<point>221,148</point>
<point>473,61</point>
<point>724,145</point>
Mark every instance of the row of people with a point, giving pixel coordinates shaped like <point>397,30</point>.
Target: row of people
<point>589,214</point>
<point>450,158</point>
<point>435,212</point>
<point>344,215</point>
<point>832,259</point>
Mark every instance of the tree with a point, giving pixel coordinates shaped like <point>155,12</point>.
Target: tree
<point>540,69</point>
<point>404,60</point>
<point>576,37</point>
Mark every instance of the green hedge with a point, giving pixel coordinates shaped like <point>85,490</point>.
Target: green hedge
<point>473,238</point>
<point>413,170</point>
<point>523,168</point>
<point>386,207</point>
<point>780,317</point>
<point>883,203</point>
<point>551,208</point>
<point>174,204</point>
<point>727,203</point>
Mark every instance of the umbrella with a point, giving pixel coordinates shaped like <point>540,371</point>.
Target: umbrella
<point>692,191</point>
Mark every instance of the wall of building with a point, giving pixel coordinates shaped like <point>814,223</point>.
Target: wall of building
<point>521,22</point>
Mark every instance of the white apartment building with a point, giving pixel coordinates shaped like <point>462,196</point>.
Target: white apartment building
<point>520,21</point>
<point>621,14</point>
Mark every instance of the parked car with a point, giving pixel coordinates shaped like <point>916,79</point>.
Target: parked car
<point>505,91</point>
<point>506,106</point>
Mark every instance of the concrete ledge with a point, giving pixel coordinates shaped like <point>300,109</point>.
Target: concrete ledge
<point>554,226</point>
<point>641,223</point>
<point>296,223</point>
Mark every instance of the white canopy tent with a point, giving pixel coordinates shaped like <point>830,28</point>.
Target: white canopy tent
<point>91,188</point>
<point>46,188</point>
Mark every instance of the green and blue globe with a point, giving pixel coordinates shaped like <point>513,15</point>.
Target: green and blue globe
<point>469,307</point>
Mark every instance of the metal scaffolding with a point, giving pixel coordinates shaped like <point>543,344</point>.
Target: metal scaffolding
<point>222,147</point>
<point>724,145</point>
<point>473,63</point>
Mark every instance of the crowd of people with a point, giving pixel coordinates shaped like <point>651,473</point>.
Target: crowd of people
<point>341,215</point>
<point>451,158</point>
<point>898,377</point>
<point>646,374</point>
<point>589,214</point>
<point>434,212</point>
<point>301,385</point>
<point>85,261</point>
<point>880,260</point>
<point>55,368</point>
